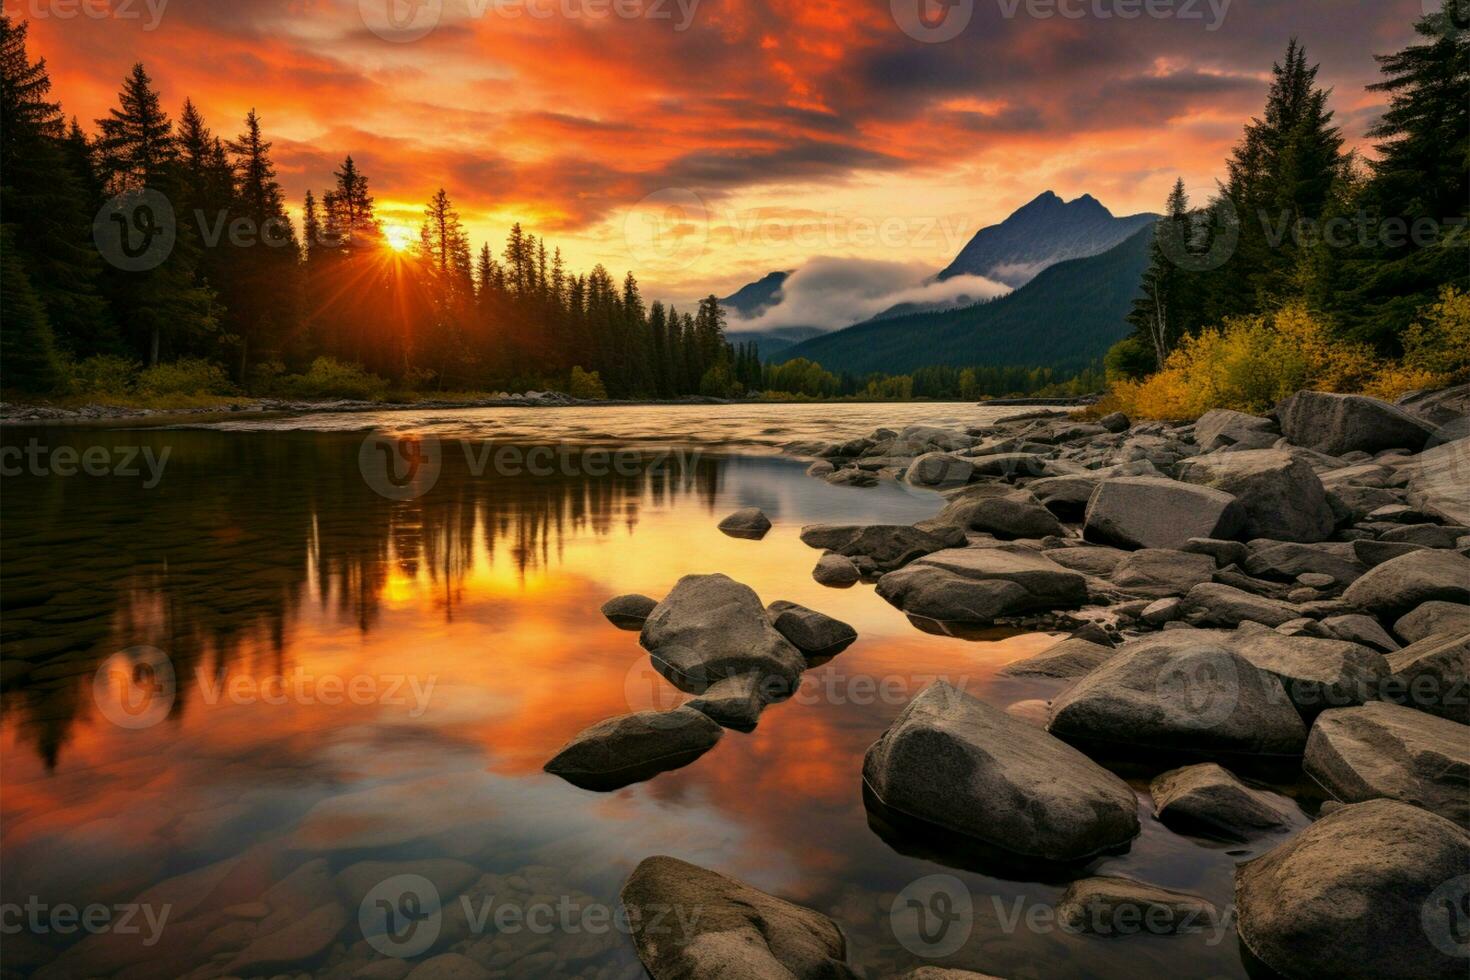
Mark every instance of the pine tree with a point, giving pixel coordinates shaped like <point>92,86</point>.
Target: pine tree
<point>1159,310</point>
<point>28,361</point>
<point>138,147</point>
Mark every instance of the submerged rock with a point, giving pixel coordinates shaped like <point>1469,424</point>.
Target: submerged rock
<point>1338,424</point>
<point>631,748</point>
<point>980,585</point>
<point>1385,751</point>
<point>690,923</point>
<point>958,763</point>
<point>1206,799</point>
<point>628,612</point>
<point>837,571</point>
<point>1153,512</point>
<point>1108,906</point>
<point>1183,691</point>
<point>1281,495</point>
<point>711,626</point>
<point>748,523</point>
<point>1366,893</point>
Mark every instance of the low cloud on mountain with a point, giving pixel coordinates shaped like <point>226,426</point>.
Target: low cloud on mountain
<point>832,293</point>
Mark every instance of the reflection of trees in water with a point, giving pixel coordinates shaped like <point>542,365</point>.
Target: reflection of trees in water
<point>212,565</point>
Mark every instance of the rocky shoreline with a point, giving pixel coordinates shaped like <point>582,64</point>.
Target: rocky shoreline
<point>1291,590</point>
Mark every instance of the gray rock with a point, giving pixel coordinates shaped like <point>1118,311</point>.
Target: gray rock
<point>837,571</point>
<point>1365,893</point>
<point>1373,553</point>
<point>1011,514</point>
<point>1316,673</point>
<point>1433,617</point>
<point>851,476</point>
<point>1065,496</point>
<point>1306,627</point>
<point>629,612</point>
<point>1215,604</point>
<point>735,702</point>
<point>1161,611</point>
<point>1351,504</point>
<point>1357,628</point>
<point>1225,553</point>
<point>979,585</point>
<point>1337,424</point>
<point>1009,465</point>
<point>956,762</point>
<point>1114,422</point>
<point>1441,407</point>
<point>1433,675</point>
<point>1180,690</point>
<point>1282,497</point>
<point>1072,657</point>
<point>1158,572</point>
<point>1094,560</point>
<point>814,634</point>
<point>690,923</point>
<point>1286,560</point>
<point>1387,751</point>
<point>748,523</point>
<point>1437,478</point>
<point>915,440</point>
<point>1149,512</point>
<point>939,471</point>
<point>1223,428</point>
<point>881,547</point>
<point>1108,906</point>
<point>1208,800</point>
<point>631,748</point>
<point>821,469</point>
<point>710,627</point>
<point>1401,584</point>
<point>1428,535</point>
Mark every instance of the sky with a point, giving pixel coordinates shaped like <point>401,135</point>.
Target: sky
<point>704,143</point>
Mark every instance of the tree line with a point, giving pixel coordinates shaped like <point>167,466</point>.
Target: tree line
<point>239,291</point>
<point>1366,246</point>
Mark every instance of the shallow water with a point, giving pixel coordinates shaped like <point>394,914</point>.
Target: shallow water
<point>365,678</point>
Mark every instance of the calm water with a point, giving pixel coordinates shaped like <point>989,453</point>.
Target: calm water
<point>362,678</point>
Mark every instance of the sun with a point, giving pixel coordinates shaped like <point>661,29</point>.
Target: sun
<point>398,237</point>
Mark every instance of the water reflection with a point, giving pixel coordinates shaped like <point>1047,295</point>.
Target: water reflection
<point>272,575</point>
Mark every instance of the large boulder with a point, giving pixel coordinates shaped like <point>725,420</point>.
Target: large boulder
<point>1159,572</point>
<point>1065,496</point>
<point>814,634</point>
<point>1444,406</point>
<point>1433,675</point>
<point>1440,477</point>
<point>1338,424</point>
<point>1431,618</point>
<point>878,548</point>
<point>1178,691</point>
<point>1208,800</point>
<point>1399,585</point>
<point>837,571</point>
<point>1153,512</point>
<point>1223,428</point>
<point>690,923</point>
<point>1072,657</point>
<point>956,762</point>
<point>631,748</point>
<point>1285,560</point>
<point>1386,751</point>
<point>1280,493</point>
<point>711,626</point>
<point>980,585</point>
<point>1217,604</point>
<point>1089,559</point>
<point>1317,673</point>
<point>1110,906</point>
<point>939,471</point>
<point>1369,892</point>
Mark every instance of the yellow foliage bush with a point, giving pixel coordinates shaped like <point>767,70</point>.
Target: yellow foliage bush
<point>1251,363</point>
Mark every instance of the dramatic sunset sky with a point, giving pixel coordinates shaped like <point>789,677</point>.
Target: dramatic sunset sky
<point>798,128</point>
